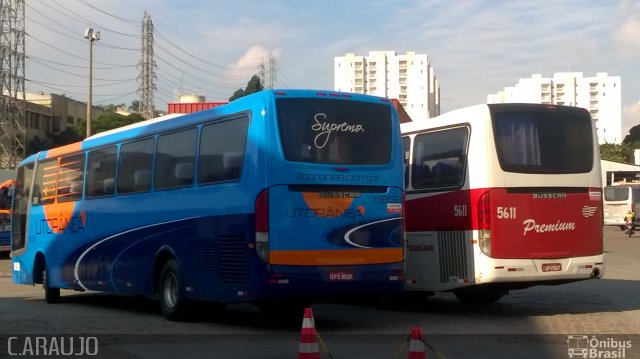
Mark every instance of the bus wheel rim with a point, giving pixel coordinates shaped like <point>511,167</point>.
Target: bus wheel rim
<point>170,290</point>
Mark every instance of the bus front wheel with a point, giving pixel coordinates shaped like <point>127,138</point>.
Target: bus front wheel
<point>171,292</point>
<point>51,295</point>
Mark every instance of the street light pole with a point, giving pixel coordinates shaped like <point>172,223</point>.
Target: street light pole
<point>92,36</point>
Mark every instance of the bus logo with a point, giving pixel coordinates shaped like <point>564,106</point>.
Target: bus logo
<point>578,345</point>
<point>588,211</point>
<point>549,195</point>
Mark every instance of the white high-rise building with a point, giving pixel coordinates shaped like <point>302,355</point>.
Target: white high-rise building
<point>601,95</point>
<point>409,78</point>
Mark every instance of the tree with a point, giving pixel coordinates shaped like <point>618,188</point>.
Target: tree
<point>112,107</point>
<point>633,136</point>
<point>253,86</point>
<point>617,153</point>
<point>110,121</point>
<point>135,106</point>
<point>69,135</point>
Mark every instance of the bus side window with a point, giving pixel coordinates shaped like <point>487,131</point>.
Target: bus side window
<point>183,172</point>
<point>141,180</point>
<point>232,162</point>
<point>422,175</point>
<point>108,185</point>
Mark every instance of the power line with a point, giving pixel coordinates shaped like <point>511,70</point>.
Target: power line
<point>227,68</point>
<point>76,75</point>
<point>80,66</point>
<point>130,21</point>
<point>92,22</point>
<point>83,86</point>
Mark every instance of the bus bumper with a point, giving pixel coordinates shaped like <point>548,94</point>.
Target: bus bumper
<point>491,270</point>
<point>332,283</point>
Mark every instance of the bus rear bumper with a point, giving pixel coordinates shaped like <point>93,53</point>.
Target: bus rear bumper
<point>333,283</point>
<point>493,270</point>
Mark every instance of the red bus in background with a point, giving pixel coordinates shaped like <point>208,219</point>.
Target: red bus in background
<point>6,194</point>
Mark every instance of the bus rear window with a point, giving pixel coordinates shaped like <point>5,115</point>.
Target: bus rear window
<point>335,131</point>
<point>551,141</point>
<point>616,193</point>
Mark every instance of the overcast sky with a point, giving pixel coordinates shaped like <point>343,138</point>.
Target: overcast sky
<point>477,47</point>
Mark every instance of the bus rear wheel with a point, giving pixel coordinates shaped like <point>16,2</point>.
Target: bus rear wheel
<point>51,295</point>
<point>171,292</point>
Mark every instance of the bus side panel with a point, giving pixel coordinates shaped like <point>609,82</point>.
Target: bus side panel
<point>217,249</point>
<point>439,239</point>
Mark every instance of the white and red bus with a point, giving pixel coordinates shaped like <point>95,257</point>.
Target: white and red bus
<point>502,197</point>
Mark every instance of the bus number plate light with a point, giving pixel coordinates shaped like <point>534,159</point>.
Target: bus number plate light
<point>551,267</point>
<point>340,276</point>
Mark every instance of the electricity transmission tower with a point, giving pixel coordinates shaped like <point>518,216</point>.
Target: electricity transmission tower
<point>147,66</point>
<point>12,97</point>
<point>261,69</point>
<point>273,64</point>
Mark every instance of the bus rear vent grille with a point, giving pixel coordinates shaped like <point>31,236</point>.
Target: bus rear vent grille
<point>233,260</point>
<point>452,255</point>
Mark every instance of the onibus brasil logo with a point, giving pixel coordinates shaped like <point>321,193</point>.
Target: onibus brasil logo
<point>583,346</point>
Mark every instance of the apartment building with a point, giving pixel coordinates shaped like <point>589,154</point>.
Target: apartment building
<point>600,94</point>
<point>409,78</point>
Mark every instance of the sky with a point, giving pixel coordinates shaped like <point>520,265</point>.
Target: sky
<point>213,47</point>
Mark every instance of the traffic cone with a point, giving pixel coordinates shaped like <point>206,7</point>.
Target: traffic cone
<point>308,337</point>
<point>417,348</point>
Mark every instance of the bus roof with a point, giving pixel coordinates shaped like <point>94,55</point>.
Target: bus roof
<point>454,116</point>
<point>169,122</point>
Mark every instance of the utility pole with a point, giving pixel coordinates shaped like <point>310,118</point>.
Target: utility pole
<point>147,66</point>
<point>93,36</point>
<point>12,96</point>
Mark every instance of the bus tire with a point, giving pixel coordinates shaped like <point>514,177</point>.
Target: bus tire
<point>171,292</point>
<point>478,296</point>
<point>51,295</point>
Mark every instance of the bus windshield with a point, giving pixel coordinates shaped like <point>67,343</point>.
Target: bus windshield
<point>334,131</point>
<point>541,141</point>
<point>616,193</point>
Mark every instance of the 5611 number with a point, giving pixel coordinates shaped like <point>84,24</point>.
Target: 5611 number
<point>506,212</point>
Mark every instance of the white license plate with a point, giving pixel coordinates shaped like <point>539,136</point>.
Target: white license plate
<point>551,267</point>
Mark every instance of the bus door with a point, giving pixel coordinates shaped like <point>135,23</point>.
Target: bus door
<point>336,200</point>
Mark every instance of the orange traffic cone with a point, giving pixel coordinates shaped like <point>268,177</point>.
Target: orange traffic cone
<point>308,337</point>
<point>417,348</point>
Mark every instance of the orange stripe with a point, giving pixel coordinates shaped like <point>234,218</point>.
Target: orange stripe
<point>54,152</point>
<point>337,256</point>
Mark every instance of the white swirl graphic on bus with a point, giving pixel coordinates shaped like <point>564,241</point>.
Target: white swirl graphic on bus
<point>327,127</point>
<point>530,225</point>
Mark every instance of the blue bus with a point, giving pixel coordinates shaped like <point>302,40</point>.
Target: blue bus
<point>287,196</point>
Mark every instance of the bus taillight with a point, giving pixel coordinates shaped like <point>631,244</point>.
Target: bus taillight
<point>262,225</point>
<point>484,223</point>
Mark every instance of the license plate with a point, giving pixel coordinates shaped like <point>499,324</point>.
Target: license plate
<point>551,267</point>
<point>341,276</point>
